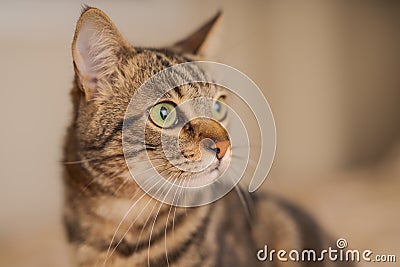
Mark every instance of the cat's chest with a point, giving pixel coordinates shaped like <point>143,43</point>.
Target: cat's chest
<point>119,210</point>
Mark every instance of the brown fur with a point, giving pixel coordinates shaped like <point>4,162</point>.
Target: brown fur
<point>101,198</point>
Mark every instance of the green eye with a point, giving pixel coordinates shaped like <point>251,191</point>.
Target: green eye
<point>163,115</point>
<point>219,109</point>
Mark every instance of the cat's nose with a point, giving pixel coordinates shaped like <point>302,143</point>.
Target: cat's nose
<point>221,147</point>
<point>209,134</point>
<point>218,147</point>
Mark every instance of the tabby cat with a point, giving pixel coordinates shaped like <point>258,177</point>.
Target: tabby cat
<point>109,220</point>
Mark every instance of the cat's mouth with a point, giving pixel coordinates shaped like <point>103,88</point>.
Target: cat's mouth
<point>202,172</point>
<point>211,173</point>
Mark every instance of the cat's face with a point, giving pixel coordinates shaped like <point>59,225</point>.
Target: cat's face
<point>108,74</point>
<point>197,149</point>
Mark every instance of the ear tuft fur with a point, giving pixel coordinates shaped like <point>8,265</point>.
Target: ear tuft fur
<point>197,42</point>
<point>95,49</point>
<point>84,8</point>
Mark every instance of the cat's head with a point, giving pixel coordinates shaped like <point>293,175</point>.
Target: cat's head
<point>109,72</point>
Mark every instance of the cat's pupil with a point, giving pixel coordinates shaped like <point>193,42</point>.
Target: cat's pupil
<point>163,113</point>
<point>217,106</point>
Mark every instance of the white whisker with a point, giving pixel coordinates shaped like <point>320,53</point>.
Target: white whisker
<point>122,220</point>
<point>154,222</point>
<point>166,221</point>
<point>177,201</point>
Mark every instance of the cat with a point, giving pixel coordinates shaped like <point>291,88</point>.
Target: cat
<point>108,219</point>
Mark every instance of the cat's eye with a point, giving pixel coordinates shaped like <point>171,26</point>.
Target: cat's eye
<point>163,115</point>
<point>219,109</point>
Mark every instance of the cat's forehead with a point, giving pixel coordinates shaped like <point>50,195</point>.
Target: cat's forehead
<point>158,57</point>
<point>198,90</point>
<point>183,93</point>
<point>145,63</point>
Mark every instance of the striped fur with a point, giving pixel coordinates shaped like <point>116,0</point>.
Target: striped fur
<point>109,220</point>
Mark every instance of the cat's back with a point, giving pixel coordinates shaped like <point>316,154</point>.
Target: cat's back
<point>256,227</point>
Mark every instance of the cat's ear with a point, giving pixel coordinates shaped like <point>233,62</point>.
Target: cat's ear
<point>200,41</point>
<point>95,49</point>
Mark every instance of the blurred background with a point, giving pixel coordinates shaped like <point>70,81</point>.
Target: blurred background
<point>329,69</point>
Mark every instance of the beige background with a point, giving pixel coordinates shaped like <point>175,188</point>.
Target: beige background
<point>330,70</point>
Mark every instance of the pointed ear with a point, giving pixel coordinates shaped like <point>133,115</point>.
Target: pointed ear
<point>95,49</point>
<point>199,42</point>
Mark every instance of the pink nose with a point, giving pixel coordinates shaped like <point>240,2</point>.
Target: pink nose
<point>221,148</point>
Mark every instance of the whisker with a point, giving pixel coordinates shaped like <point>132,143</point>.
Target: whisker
<point>108,254</point>
<point>126,214</point>
<point>166,222</point>
<point>152,168</point>
<point>179,196</point>
<point>148,217</point>
<point>79,161</point>
<point>244,204</point>
<point>185,193</point>
<point>100,159</point>
<point>122,220</point>
<point>121,186</point>
<point>93,179</point>
<point>151,231</point>
<point>154,222</point>
<point>245,199</point>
